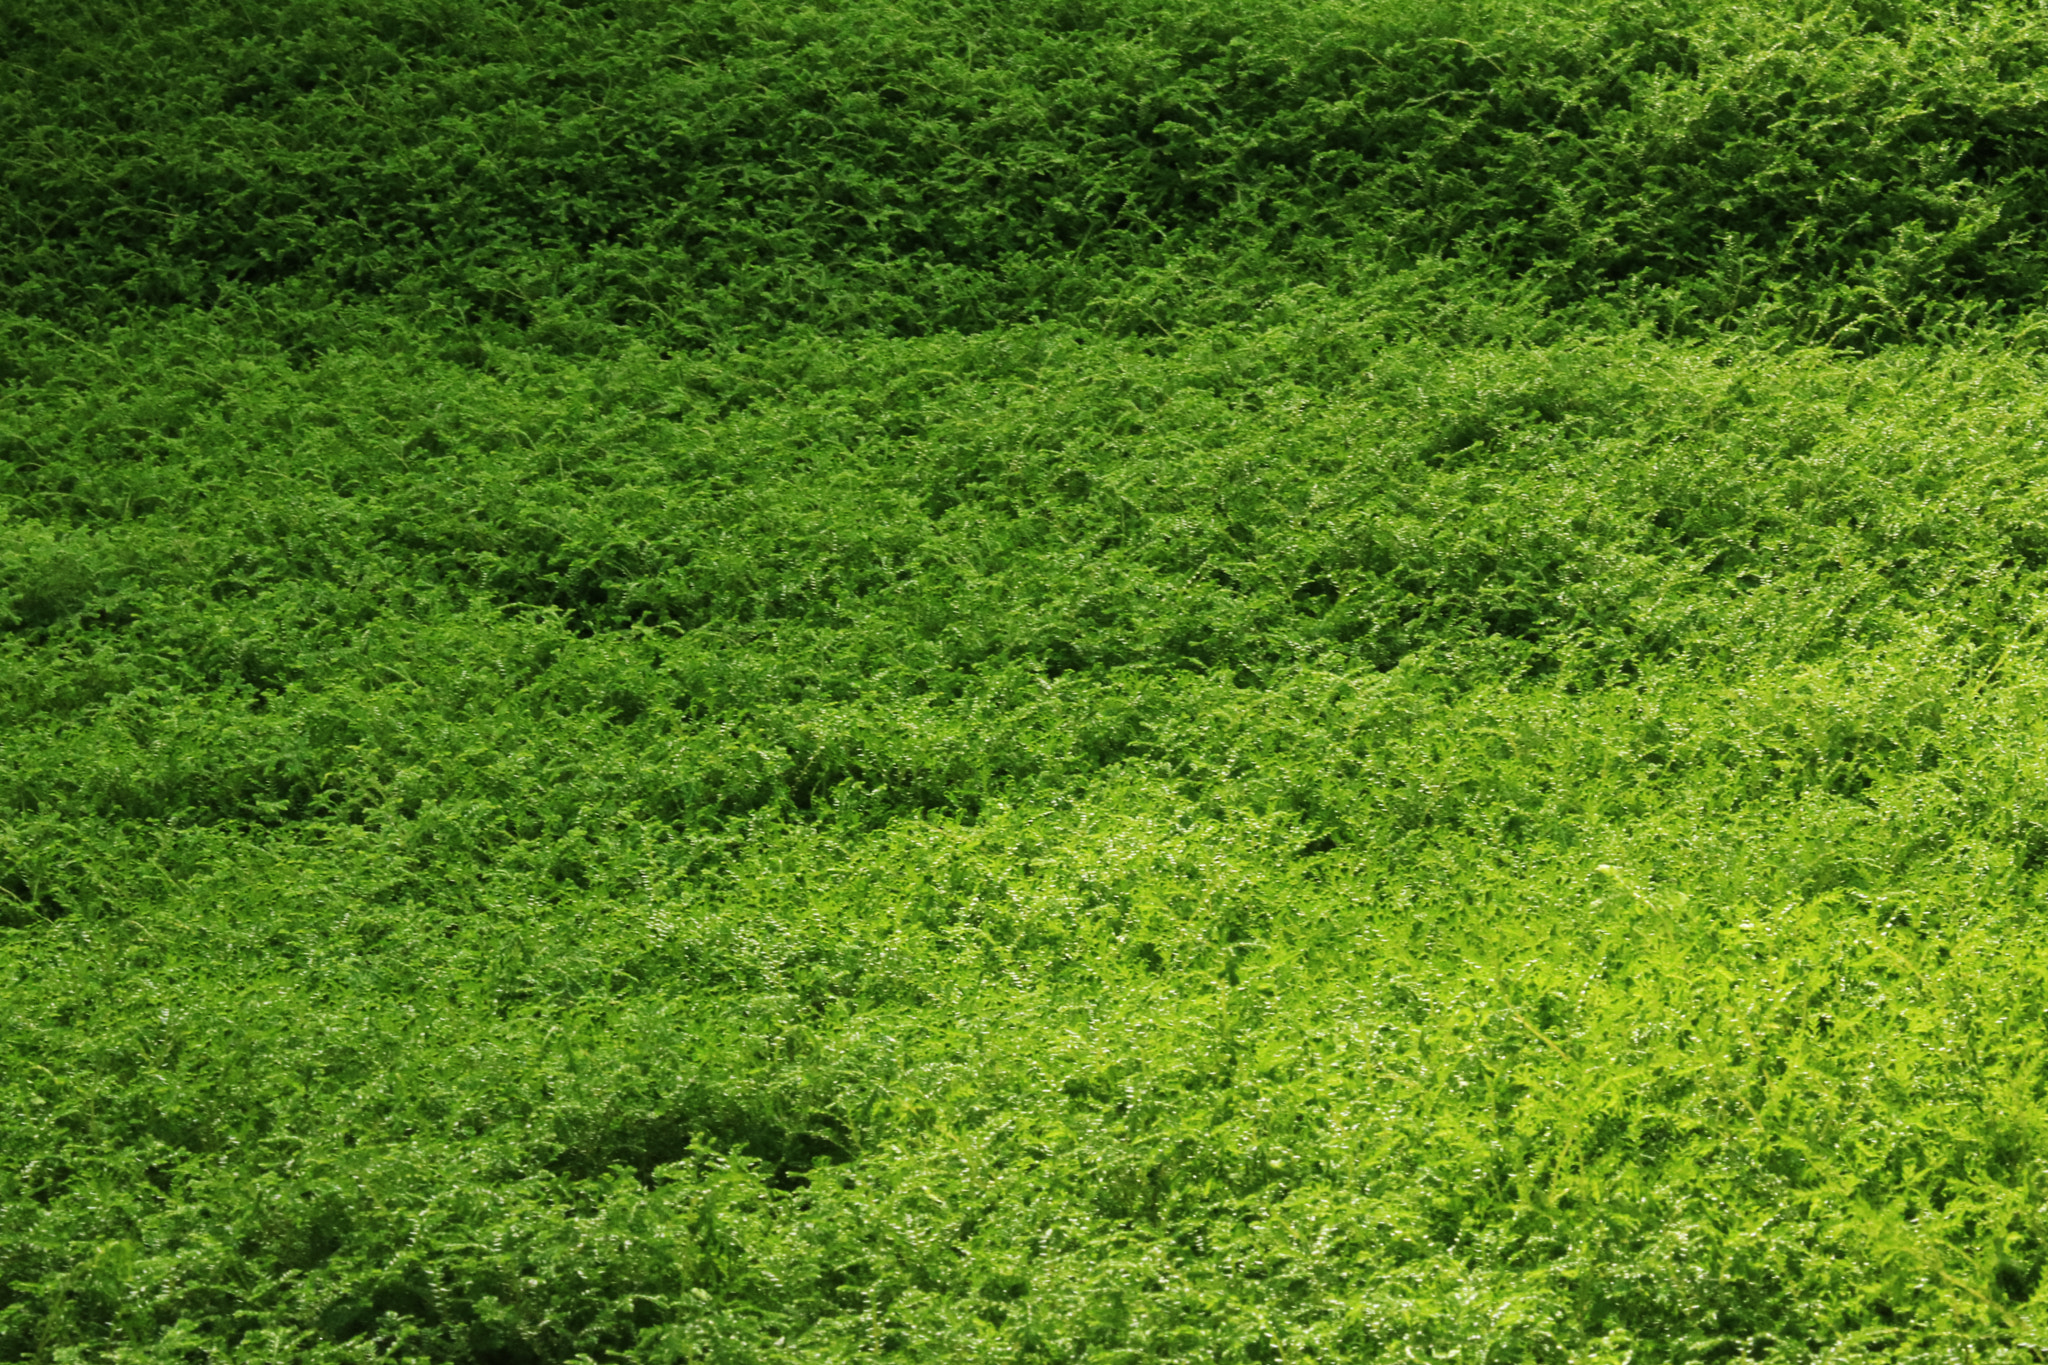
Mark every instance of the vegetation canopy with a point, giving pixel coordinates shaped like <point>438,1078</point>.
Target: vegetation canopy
<point>1063,681</point>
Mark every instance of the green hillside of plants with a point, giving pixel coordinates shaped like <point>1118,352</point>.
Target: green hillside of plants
<point>1063,681</point>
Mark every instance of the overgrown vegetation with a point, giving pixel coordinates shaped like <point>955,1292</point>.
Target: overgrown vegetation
<point>1048,682</point>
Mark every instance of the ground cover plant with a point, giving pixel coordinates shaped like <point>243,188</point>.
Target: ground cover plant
<point>1049,682</point>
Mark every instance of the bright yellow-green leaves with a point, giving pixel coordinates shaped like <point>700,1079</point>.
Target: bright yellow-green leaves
<point>1282,844</point>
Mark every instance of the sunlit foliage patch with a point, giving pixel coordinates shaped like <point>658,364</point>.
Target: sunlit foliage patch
<point>1048,682</point>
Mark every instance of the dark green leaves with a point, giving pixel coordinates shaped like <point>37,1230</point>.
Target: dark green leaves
<point>691,172</point>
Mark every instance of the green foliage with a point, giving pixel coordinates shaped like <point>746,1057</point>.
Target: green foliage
<point>1838,173</point>
<point>1072,683</point>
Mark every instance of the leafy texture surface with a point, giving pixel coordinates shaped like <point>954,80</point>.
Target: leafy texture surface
<point>1067,682</point>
